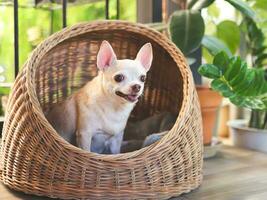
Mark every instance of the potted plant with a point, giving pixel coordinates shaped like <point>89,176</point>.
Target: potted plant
<point>246,88</point>
<point>186,29</point>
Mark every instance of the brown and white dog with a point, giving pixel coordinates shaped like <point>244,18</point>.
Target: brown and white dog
<point>95,116</point>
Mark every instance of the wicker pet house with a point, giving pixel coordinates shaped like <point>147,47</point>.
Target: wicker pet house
<point>36,160</point>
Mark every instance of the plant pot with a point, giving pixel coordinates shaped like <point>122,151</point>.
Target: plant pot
<point>209,103</point>
<point>223,118</point>
<point>245,137</point>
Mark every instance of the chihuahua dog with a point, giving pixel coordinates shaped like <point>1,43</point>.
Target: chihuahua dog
<point>94,117</point>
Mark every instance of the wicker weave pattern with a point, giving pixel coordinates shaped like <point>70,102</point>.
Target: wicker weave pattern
<point>35,159</point>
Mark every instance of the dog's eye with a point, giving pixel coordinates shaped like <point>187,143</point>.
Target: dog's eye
<point>142,78</point>
<point>119,78</point>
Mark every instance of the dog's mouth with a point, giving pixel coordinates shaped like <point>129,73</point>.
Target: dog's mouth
<point>128,97</point>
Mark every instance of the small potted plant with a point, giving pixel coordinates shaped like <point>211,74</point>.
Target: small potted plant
<point>245,87</point>
<point>186,28</point>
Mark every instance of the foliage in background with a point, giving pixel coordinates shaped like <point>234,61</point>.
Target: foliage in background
<point>253,48</point>
<point>255,43</point>
<point>245,87</point>
<point>186,28</point>
<point>229,33</point>
<point>256,50</point>
<point>238,35</point>
<point>187,24</point>
<point>35,24</point>
<point>245,35</point>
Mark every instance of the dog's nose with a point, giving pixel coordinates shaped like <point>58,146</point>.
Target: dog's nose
<point>136,88</point>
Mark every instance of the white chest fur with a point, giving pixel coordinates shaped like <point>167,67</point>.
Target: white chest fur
<point>104,112</point>
<point>111,121</point>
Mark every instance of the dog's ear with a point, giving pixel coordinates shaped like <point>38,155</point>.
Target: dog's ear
<point>106,56</point>
<point>145,56</point>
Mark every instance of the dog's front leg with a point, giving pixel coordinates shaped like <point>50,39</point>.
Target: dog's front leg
<point>84,133</point>
<point>84,139</point>
<point>115,143</point>
<point>84,127</point>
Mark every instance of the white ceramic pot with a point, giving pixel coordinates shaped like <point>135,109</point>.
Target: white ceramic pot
<point>245,137</point>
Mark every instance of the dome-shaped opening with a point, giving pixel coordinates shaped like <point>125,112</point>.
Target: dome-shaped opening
<point>72,63</point>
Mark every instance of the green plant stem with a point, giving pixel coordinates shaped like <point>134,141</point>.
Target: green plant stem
<point>258,119</point>
<point>254,119</point>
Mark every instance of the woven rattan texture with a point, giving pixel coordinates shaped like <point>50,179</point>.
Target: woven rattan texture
<point>36,160</point>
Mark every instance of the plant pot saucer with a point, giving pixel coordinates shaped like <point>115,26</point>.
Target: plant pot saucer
<point>212,149</point>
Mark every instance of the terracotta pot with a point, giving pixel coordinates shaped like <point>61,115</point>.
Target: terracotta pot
<point>209,103</point>
<point>224,117</point>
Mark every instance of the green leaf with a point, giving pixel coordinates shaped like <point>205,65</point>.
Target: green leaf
<point>210,28</point>
<point>249,102</point>
<point>259,50</point>
<point>245,87</point>
<point>258,87</point>
<point>214,11</point>
<point>228,31</point>
<point>241,76</point>
<point>256,42</point>
<point>4,90</point>
<point>261,4</point>
<point>209,71</point>
<point>243,7</point>
<point>200,4</point>
<point>221,60</point>
<point>260,59</point>
<point>207,56</point>
<point>233,68</point>
<point>215,46</point>
<point>262,75</point>
<point>186,28</point>
<point>222,87</point>
<point>254,86</point>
